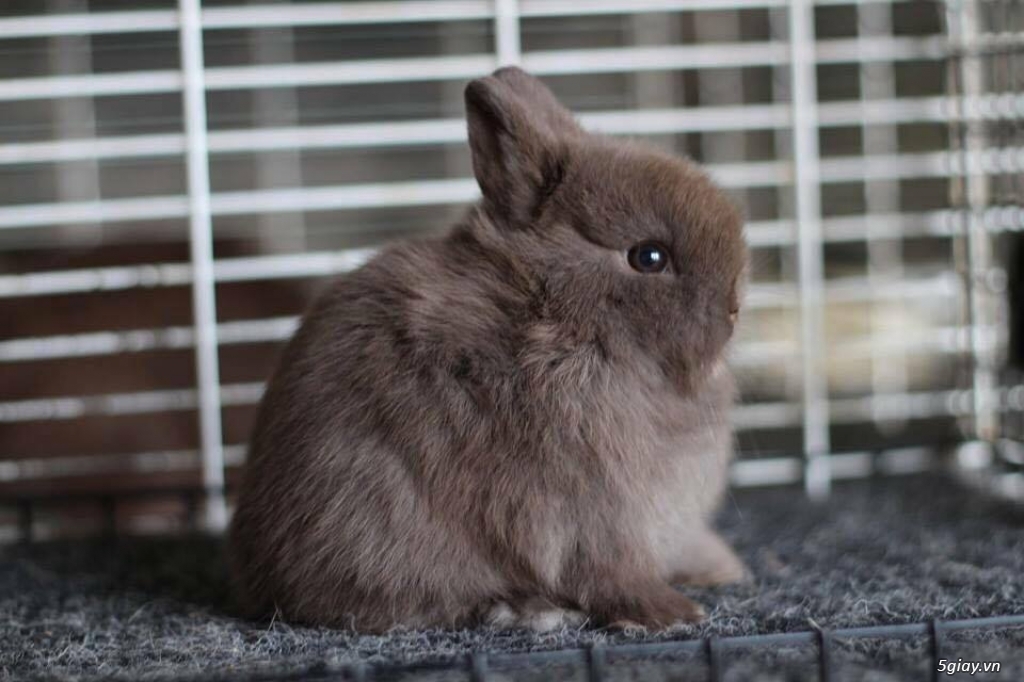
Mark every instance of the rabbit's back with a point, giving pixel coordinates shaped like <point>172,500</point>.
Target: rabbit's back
<point>335,519</point>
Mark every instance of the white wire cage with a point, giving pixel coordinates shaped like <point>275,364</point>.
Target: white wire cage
<point>179,177</point>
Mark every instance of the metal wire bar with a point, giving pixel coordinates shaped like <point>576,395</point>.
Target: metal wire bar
<point>934,636</point>
<point>351,13</point>
<point>889,371</point>
<point>764,295</point>
<point>908,405</point>
<point>824,655</point>
<point>1005,106</point>
<point>714,656</point>
<point>358,672</point>
<point>464,190</point>
<point>437,68</point>
<point>118,278</point>
<point>477,662</point>
<point>74,118</point>
<point>506,32</point>
<point>744,473</point>
<point>595,657</point>
<point>963,24</point>
<point>138,462</point>
<point>121,404</point>
<point>92,344</point>
<point>938,340</point>
<point>201,248</point>
<point>810,256</point>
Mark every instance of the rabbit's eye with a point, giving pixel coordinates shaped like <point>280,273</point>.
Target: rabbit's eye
<point>648,257</point>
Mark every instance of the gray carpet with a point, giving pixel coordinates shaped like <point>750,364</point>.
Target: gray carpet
<point>896,551</point>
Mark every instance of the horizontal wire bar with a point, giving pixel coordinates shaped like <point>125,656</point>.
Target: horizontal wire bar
<point>341,197</point>
<point>928,341</point>
<point>98,211</point>
<point>449,131</point>
<point>746,354</point>
<point>655,58</point>
<point>464,190</point>
<point>902,406</point>
<point>744,472</point>
<point>508,661</point>
<point>91,85</point>
<point>942,223</point>
<point>123,404</point>
<point>552,8</point>
<point>177,274</point>
<point>317,264</point>
<point>346,13</point>
<point>91,344</point>
<point>935,339</point>
<point>854,465</point>
<point>70,466</point>
<point>350,72</point>
<point>350,13</point>
<point>762,295</point>
<point>465,66</point>
<point>879,49</point>
<point>135,21</point>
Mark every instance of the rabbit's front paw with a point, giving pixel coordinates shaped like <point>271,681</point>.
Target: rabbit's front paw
<point>657,608</point>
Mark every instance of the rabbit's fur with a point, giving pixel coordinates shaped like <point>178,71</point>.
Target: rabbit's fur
<point>508,423</point>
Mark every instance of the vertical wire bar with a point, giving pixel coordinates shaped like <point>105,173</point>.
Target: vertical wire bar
<point>506,32</point>
<point>885,249</point>
<point>75,118</point>
<point>714,658</point>
<point>956,192</point>
<point>720,87</point>
<point>824,655</point>
<point>279,232</point>
<point>201,241</point>
<point>478,666</point>
<point>934,635</point>
<point>963,24</point>
<point>656,89</point>
<point>595,663</point>
<point>810,255</point>
<point>358,672</point>
<point>782,90</point>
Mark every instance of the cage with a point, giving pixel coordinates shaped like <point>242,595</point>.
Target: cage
<point>178,180</point>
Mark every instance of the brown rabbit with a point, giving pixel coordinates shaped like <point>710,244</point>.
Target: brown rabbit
<point>524,422</point>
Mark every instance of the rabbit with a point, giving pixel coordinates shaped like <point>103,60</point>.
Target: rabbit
<point>523,423</point>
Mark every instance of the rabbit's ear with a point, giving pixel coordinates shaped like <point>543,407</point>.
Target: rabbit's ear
<point>517,131</point>
<point>539,100</point>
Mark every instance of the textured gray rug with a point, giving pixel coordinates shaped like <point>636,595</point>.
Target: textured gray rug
<point>895,551</point>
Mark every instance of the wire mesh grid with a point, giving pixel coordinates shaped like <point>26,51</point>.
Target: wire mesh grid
<point>178,176</point>
<point>708,657</point>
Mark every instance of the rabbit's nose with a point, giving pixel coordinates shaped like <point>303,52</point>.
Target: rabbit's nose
<point>734,315</point>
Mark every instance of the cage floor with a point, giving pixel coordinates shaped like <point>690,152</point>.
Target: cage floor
<point>887,551</point>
